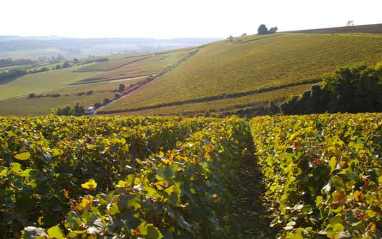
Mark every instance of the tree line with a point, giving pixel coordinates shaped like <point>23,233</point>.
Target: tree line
<point>264,30</point>
<point>348,90</point>
<point>18,62</point>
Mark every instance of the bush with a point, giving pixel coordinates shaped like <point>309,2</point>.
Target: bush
<point>66,64</point>
<point>106,101</point>
<point>121,88</point>
<point>55,95</point>
<point>101,59</point>
<point>97,105</point>
<point>77,110</point>
<point>273,30</point>
<point>31,96</point>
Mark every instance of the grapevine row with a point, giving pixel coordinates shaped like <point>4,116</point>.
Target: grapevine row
<point>323,173</point>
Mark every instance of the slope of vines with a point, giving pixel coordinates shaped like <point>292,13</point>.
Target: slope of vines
<point>323,173</point>
<point>43,157</point>
<point>172,177</point>
<point>117,177</point>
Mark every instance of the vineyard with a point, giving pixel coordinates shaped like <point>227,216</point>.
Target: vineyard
<point>315,176</point>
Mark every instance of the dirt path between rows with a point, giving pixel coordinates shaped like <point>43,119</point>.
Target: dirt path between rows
<point>251,216</point>
<point>149,79</point>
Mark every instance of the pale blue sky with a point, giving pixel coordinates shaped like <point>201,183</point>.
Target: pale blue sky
<point>177,18</point>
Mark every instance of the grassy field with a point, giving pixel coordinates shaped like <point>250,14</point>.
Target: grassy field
<point>68,82</point>
<point>144,66</point>
<point>111,64</point>
<point>22,106</point>
<point>41,82</point>
<point>255,62</point>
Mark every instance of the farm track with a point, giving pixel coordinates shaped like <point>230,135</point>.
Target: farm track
<point>214,98</point>
<point>149,79</point>
<point>251,215</point>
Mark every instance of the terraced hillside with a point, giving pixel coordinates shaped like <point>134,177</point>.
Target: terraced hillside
<point>221,74</point>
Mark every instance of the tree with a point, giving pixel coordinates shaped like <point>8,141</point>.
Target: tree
<point>106,101</point>
<point>66,64</point>
<point>349,89</point>
<point>230,38</point>
<point>121,88</point>
<point>273,30</point>
<point>78,110</point>
<point>262,29</point>
<point>97,105</point>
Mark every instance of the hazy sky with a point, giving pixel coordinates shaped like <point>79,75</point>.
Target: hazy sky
<point>177,18</point>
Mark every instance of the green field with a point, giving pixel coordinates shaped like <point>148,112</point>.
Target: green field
<point>142,66</point>
<point>41,82</point>
<point>111,64</point>
<point>22,106</point>
<point>255,62</point>
<point>68,82</point>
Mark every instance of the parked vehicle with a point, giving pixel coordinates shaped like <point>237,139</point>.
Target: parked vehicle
<point>90,111</point>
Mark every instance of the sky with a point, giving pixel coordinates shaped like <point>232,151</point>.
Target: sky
<point>177,18</point>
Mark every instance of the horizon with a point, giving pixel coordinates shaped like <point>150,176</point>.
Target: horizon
<point>84,38</point>
<point>170,19</point>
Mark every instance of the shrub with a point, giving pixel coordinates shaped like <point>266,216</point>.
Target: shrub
<point>97,105</point>
<point>121,87</point>
<point>106,101</point>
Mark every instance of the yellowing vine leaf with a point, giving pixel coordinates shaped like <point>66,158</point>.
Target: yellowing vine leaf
<point>89,185</point>
<point>23,156</point>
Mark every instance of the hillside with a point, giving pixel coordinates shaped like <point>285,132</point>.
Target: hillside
<point>219,77</point>
<point>69,48</point>
<point>374,28</point>
<point>227,71</point>
<point>87,84</point>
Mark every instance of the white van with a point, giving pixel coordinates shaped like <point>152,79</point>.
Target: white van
<point>90,111</point>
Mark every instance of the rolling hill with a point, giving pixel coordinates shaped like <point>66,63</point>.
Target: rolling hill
<point>373,28</point>
<point>36,47</point>
<point>231,69</point>
<point>218,77</point>
<point>60,88</point>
